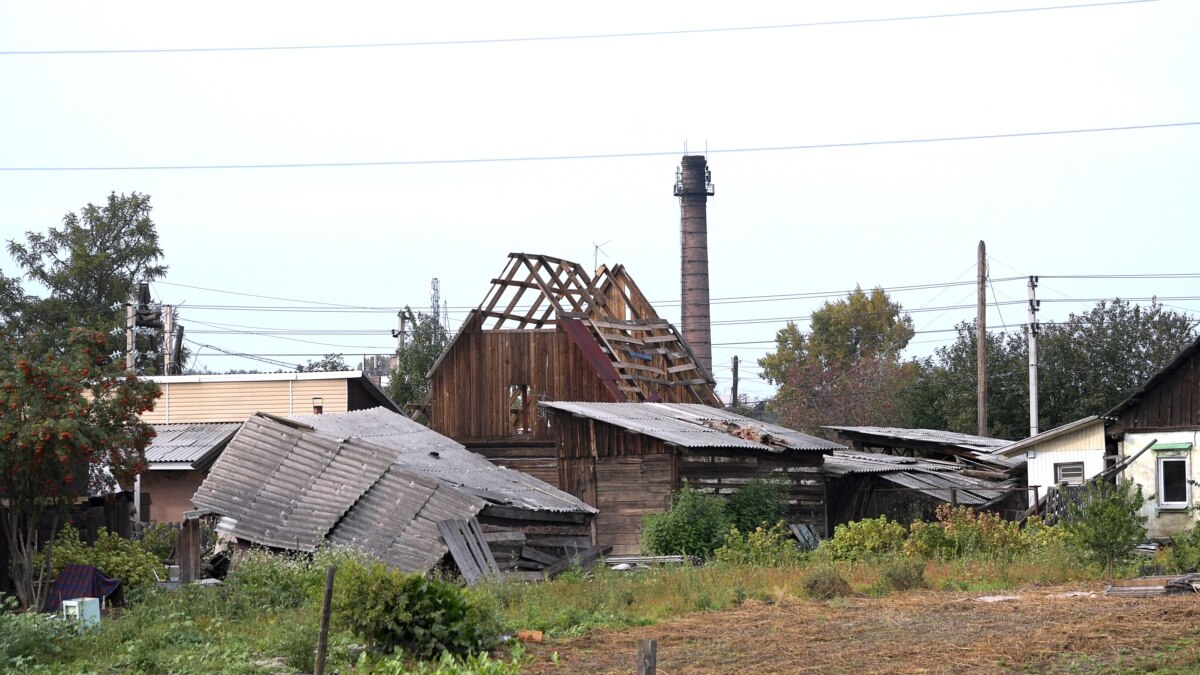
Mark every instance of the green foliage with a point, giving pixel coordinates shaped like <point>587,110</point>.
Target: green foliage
<point>1108,524</point>
<point>124,559</point>
<point>1184,552</point>
<point>760,503</point>
<point>862,539</point>
<point>449,664</point>
<point>696,524</point>
<point>960,531</point>
<point>764,547</point>
<point>29,638</point>
<point>424,342</point>
<point>261,581</point>
<point>407,611</point>
<point>159,539</point>
<point>900,573</point>
<point>327,364</point>
<point>823,582</point>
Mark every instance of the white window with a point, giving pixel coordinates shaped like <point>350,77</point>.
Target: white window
<point>1070,473</point>
<point>1174,492</point>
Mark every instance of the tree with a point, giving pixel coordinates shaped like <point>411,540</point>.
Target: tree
<point>427,338</point>
<point>1108,523</point>
<point>89,267</point>
<point>329,363</point>
<point>70,423</point>
<point>848,369</point>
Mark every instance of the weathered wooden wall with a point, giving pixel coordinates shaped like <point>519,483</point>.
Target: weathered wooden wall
<point>1173,402</point>
<point>532,540</point>
<point>470,387</point>
<point>725,470</point>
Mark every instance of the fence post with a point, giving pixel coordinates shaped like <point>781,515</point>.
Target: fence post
<point>953,498</point>
<point>323,637</point>
<point>1037,501</point>
<point>647,657</point>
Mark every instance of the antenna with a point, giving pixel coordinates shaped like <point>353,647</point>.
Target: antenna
<point>596,251</point>
<point>435,300</point>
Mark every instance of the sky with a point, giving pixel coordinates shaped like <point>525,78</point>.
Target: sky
<point>470,130</point>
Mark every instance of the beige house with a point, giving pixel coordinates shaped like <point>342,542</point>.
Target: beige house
<point>1070,454</point>
<point>197,415</point>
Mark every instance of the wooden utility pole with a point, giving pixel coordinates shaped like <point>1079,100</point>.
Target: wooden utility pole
<point>981,339</point>
<point>734,393</point>
<point>1034,329</point>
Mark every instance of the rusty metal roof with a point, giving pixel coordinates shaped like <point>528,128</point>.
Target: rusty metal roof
<point>188,446</point>
<point>421,450</point>
<point>685,425</point>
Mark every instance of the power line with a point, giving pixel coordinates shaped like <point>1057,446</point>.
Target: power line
<point>616,155</point>
<point>559,38</point>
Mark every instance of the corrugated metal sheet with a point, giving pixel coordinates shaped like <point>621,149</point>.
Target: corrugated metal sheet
<point>931,477</point>
<point>421,450</point>
<point>843,462</point>
<point>951,438</point>
<point>287,487</point>
<point>396,520</point>
<point>189,443</point>
<point>683,424</point>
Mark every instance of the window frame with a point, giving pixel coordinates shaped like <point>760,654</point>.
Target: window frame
<point>1187,486</point>
<point>1058,466</point>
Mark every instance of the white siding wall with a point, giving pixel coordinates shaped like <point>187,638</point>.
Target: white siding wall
<point>1041,467</point>
<point>1144,472</point>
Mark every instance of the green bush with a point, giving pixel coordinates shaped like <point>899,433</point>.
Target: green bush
<point>421,616</point>
<point>29,638</point>
<point>865,538</point>
<point>960,531</point>
<point>1184,555</point>
<point>822,582</point>
<point>760,503</point>
<point>696,524</point>
<point>1108,524</point>
<point>449,664</point>
<point>764,547</point>
<point>159,539</point>
<point>902,574</point>
<point>119,558</point>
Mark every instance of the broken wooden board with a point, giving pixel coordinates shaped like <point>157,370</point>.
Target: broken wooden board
<point>469,549</point>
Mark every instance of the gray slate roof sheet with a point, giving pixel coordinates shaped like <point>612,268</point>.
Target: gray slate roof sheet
<point>188,443</point>
<point>683,424</point>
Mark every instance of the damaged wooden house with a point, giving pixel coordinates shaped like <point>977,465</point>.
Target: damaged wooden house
<point>549,331</point>
<point>402,493</point>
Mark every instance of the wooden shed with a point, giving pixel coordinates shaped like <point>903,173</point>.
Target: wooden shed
<point>627,458</point>
<point>547,330</point>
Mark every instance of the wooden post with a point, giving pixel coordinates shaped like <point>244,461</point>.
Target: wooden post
<point>1037,498</point>
<point>734,390</point>
<point>326,608</point>
<point>953,498</point>
<point>187,550</point>
<point>647,657</point>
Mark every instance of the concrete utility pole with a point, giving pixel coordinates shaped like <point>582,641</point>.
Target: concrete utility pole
<point>981,339</point>
<point>1034,329</point>
<point>130,333</point>
<point>168,339</point>
<point>693,186</point>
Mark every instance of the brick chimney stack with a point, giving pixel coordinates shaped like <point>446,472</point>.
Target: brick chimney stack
<point>693,186</point>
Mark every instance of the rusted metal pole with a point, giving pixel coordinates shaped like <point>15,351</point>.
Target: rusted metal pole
<point>326,608</point>
<point>647,657</point>
<point>693,186</point>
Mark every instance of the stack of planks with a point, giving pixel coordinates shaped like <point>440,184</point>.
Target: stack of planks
<point>1145,587</point>
<point>525,543</point>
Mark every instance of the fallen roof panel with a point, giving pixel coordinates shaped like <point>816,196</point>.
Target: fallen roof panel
<point>189,443</point>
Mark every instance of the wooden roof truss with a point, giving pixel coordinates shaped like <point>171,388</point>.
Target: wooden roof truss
<point>652,360</point>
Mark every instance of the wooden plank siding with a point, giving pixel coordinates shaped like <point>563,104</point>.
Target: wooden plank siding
<point>627,476</point>
<point>1172,402</point>
<point>470,400</point>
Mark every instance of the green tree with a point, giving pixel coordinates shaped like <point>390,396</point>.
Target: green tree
<point>848,369</point>
<point>88,268</point>
<point>409,384</point>
<point>69,423</point>
<point>1108,523</point>
<point>327,364</point>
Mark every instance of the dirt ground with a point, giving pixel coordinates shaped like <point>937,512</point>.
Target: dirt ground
<point>1071,629</point>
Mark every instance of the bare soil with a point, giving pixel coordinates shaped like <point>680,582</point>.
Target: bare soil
<point>1042,630</point>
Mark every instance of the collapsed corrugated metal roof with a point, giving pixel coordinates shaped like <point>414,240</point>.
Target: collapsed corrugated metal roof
<point>188,446</point>
<point>288,483</point>
<point>931,477</point>
<point>691,425</point>
<point>951,438</point>
<point>422,450</point>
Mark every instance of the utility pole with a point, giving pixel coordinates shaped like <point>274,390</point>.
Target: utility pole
<point>981,339</point>
<point>130,338</point>
<point>1034,329</point>
<point>734,393</point>
<point>168,342</point>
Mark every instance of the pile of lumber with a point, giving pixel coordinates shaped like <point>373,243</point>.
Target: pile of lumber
<point>1145,587</point>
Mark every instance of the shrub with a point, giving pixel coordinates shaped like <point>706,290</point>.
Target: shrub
<point>822,582</point>
<point>902,574</point>
<point>30,637</point>
<point>769,547</point>
<point>1108,523</point>
<point>421,616</point>
<point>159,539</point>
<point>864,538</point>
<point>760,503</point>
<point>696,524</point>
<point>1185,551</point>
<point>119,558</point>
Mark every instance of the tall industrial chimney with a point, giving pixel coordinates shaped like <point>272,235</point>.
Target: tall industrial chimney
<point>693,186</point>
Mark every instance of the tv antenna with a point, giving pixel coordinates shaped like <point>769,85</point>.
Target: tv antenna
<point>596,251</point>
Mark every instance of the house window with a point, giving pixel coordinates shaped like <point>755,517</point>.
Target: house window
<point>518,409</point>
<point>1173,489</point>
<point>1070,473</point>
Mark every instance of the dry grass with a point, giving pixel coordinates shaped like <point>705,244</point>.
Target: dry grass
<point>914,632</point>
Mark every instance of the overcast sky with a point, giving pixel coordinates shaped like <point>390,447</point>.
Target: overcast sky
<point>787,218</point>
